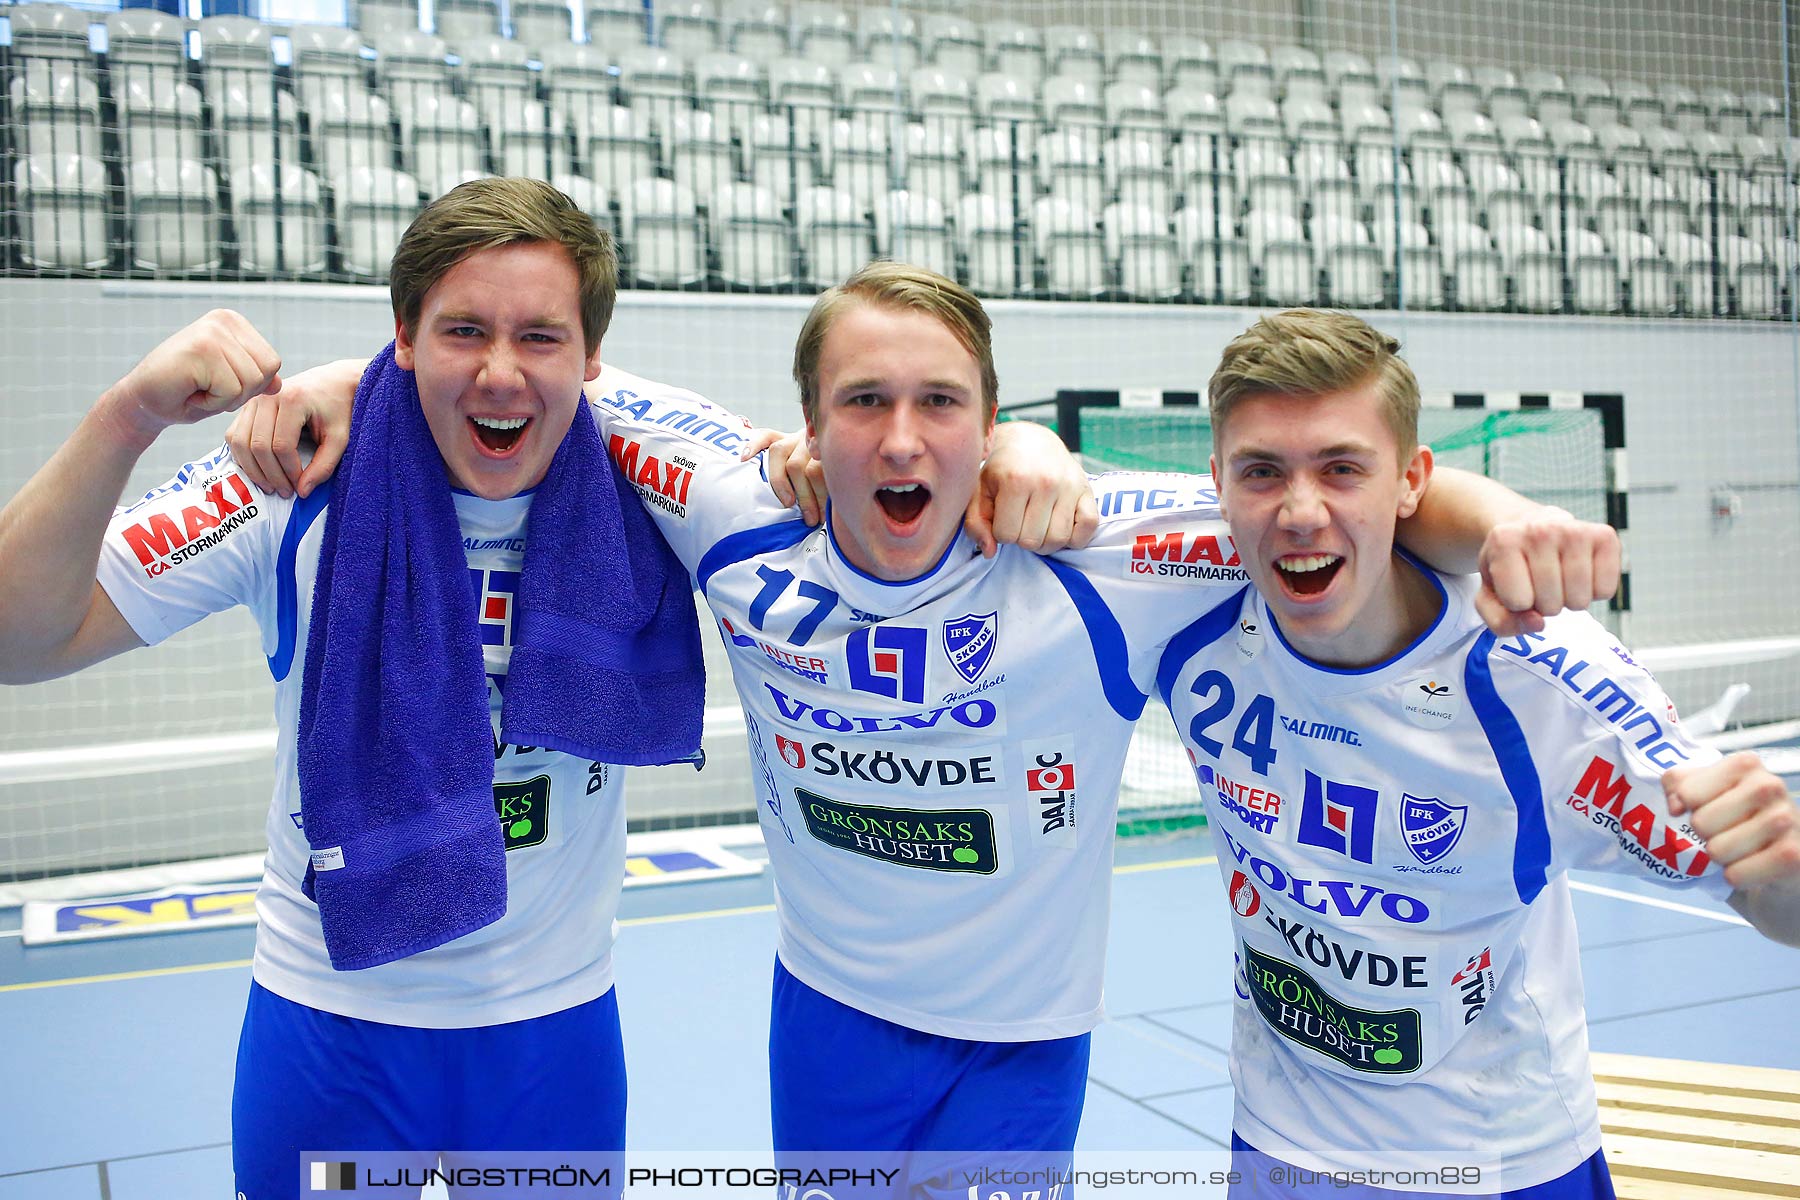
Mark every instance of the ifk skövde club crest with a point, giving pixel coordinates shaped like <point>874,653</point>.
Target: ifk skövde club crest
<point>969,643</point>
<point>1431,827</point>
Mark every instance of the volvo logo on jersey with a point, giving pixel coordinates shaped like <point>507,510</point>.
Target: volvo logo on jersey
<point>1430,827</point>
<point>1346,899</point>
<point>969,643</point>
<point>977,713</point>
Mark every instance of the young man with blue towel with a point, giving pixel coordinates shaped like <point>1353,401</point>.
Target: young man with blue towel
<point>470,629</point>
<point>937,736</point>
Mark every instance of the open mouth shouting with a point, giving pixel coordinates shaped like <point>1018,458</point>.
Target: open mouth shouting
<point>903,502</point>
<point>498,435</point>
<point>1306,575</point>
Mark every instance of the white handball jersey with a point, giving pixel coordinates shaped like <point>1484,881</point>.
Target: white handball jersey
<point>937,761</point>
<point>1395,842</point>
<point>208,540</point>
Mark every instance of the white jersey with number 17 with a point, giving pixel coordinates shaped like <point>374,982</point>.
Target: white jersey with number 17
<point>937,760</point>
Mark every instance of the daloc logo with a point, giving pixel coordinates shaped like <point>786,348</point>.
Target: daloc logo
<point>969,643</point>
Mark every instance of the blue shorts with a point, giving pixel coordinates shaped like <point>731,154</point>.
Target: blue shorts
<point>843,1081</point>
<point>1589,1181</point>
<point>312,1080</point>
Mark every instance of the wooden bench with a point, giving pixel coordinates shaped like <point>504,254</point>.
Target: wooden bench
<point>1677,1130</point>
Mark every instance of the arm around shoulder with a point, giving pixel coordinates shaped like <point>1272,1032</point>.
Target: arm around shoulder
<point>265,436</point>
<point>1535,560</point>
<point>1033,493</point>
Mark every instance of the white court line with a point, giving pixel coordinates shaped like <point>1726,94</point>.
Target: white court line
<point>1575,885</point>
<point>1654,902</point>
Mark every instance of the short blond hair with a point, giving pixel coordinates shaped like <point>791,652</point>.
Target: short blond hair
<point>485,214</point>
<point>1316,352</point>
<point>892,285</point>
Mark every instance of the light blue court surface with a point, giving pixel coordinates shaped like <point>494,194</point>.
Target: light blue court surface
<point>118,1055</point>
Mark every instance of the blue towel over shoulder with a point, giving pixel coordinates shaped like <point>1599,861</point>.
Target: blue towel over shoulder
<point>407,848</point>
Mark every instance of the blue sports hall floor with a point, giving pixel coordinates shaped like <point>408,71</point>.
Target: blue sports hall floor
<point>118,1054</point>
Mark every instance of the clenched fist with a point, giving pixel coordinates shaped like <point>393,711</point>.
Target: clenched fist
<point>212,366</point>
